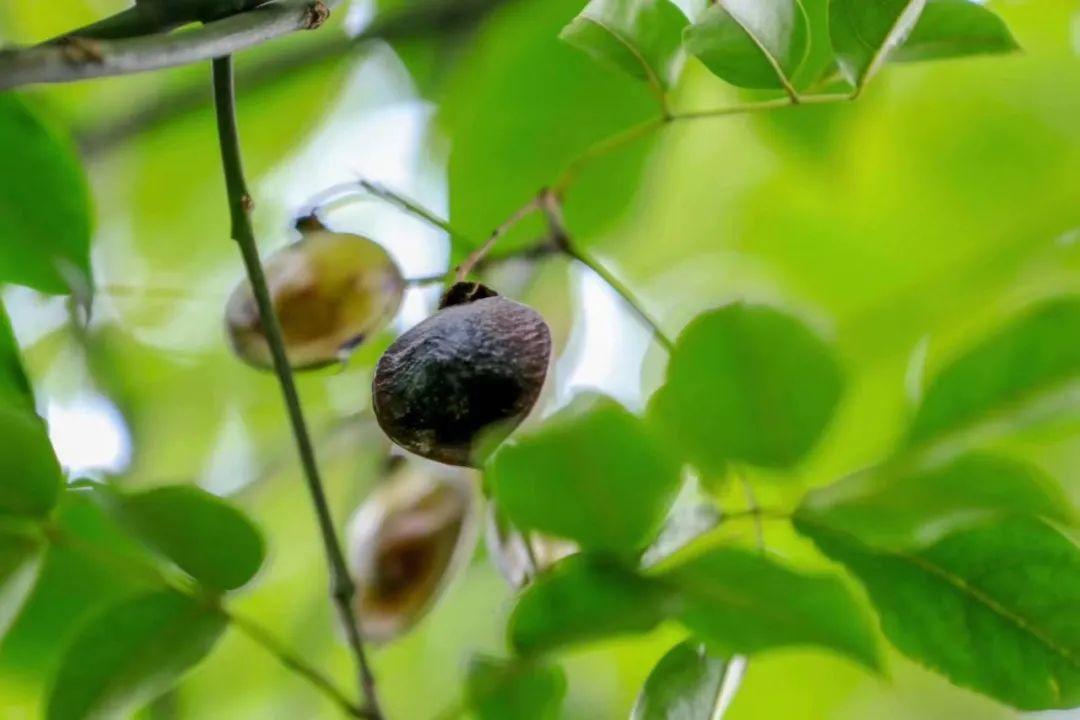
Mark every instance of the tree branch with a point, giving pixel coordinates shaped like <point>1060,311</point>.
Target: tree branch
<point>240,205</point>
<point>79,59</point>
<point>428,19</point>
<point>260,636</point>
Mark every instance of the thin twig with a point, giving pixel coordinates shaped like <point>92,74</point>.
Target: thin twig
<point>605,147</point>
<point>61,62</point>
<point>756,514</point>
<point>610,144</point>
<point>412,21</point>
<point>479,253</point>
<point>752,507</point>
<point>240,206</point>
<point>552,207</point>
<point>154,574</point>
<point>736,669</point>
<point>262,637</point>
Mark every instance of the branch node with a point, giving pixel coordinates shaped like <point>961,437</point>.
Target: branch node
<point>317,13</point>
<point>247,203</point>
<point>77,50</point>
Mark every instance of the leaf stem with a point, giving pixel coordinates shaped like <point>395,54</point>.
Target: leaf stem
<point>752,507</point>
<point>479,253</point>
<point>605,147</point>
<point>154,574</point>
<point>240,206</point>
<point>552,207</point>
<point>260,636</point>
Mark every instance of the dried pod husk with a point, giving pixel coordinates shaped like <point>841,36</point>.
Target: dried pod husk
<point>463,377</point>
<point>515,561</point>
<point>330,292</point>
<point>405,543</point>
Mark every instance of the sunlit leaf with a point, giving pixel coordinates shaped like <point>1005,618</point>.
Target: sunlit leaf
<point>639,37</point>
<point>205,536</point>
<point>909,508</point>
<point>523,690</point>
<point>44,205</point>
<point>1031,357</point>
<point>740,602</point>
<point>956,28</point>
<point>684,685</point>
<point>992,608</point>
<point>15,386</point>
<point>866,32</point>
<point>85,569</point>
<point>132,651</point>
<point>591,473</point>
<point>20,562</point>
<point>585,598</point>
<point>751,43</point>
<point>747,383</point>
<point>30,476</point>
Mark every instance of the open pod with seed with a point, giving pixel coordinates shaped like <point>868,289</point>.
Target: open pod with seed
<point>405,544</point>
<point>516,561</point>
<point>330,292</point>
<point>463,377</point>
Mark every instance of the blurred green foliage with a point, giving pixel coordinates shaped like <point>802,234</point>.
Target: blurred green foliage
<point>929,230</point>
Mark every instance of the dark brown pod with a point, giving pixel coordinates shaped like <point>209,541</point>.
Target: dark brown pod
<point>405,543</point>
<point>472,370</point>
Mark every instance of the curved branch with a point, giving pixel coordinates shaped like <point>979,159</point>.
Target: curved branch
<point>413,21</point>
<point>79,59</point>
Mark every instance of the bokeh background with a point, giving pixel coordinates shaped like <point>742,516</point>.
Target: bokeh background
<point>901,227</point>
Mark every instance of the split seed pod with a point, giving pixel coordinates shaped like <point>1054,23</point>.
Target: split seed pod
<point>472,370</point>
<point>507,549</point>
<point>330,292</point>
<point>405,543</point>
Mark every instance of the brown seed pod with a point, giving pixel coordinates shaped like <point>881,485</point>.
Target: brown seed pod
<point>471,371</point>
<point>405,543</point>
<point>330,291</point>
<point>515,561</point>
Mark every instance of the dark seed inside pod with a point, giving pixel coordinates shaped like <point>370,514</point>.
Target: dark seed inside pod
<point>405,543</point>
<point>470,370</point>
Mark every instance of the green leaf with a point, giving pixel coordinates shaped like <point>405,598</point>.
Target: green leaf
<point>913,508</point>
<point>1031,357</point>
<point>750,384</point>
<point>585,598</point>
<point>741,602</point>
<point>992,608</point>
<point>752,43</point>
<point>77,579</point>
<point>130,653</point>
<point>15,388</point>
<point>20,563</point>
<point>640,37</point>
<point>591,473</point>
<point>519,689</point>
<point>684,685</point>
<point>866,32</point>
<point>30,476</point>
<point>205,536</point>
<point>44,205</point>
<point>956,28</point>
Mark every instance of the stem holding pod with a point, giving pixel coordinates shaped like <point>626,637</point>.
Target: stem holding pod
<point>240,207</point>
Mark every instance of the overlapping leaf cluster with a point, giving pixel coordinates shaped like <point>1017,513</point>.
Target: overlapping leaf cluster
<point>173,551</point>
<point>964,554</point>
